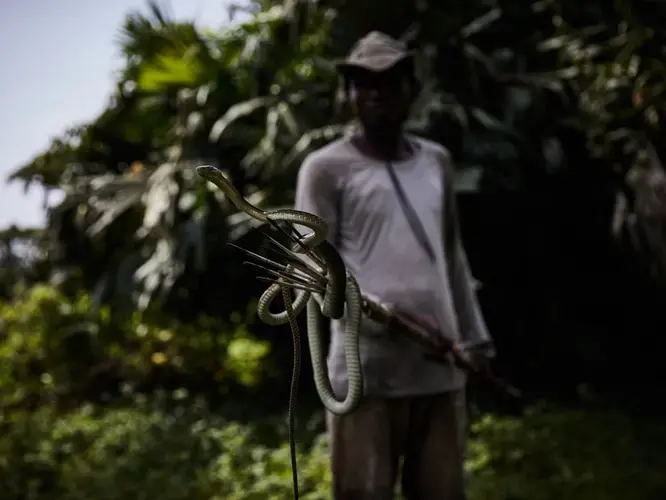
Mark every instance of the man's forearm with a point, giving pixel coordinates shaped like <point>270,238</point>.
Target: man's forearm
<point>470,320</point>
<point>473,328</point>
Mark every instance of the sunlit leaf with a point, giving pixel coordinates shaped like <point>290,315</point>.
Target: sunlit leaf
<point>169,70</point>
<point>238,111</point>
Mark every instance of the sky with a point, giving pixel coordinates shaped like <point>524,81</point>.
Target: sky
<point>57,60</point>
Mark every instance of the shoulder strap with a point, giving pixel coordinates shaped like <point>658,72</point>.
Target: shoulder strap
<point>410,214</point>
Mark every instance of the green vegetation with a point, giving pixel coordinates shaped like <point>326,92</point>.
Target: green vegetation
<point>174,448</point>
<point>131,366</point>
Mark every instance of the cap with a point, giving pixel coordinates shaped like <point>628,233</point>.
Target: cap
<point>375,52</point>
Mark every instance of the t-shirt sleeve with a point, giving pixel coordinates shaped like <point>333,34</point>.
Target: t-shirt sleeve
<point>473,328</point>
<point>317,192</point>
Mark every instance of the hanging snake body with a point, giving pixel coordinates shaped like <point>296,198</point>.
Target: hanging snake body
<point>341,289</point>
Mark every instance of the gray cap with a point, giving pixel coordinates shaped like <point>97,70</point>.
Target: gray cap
<point>375,52</point>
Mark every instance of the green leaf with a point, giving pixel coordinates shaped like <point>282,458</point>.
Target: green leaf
<point>170,70</point>
<point>238,111</point>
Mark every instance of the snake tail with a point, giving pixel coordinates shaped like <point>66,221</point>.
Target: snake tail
<point>293,387</point>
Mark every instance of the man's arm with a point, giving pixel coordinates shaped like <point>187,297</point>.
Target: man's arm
<point>472,327</point>
<point>317,192</point>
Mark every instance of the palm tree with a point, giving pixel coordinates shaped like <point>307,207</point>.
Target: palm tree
<point>253,98</point>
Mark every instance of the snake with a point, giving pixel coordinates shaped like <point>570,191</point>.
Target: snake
<point>341,296</point>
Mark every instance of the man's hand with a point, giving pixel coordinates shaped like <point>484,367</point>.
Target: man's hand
<point>479,358</point>
<point>480,361</point>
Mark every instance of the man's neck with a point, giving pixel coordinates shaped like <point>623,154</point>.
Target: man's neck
<point>388,147</point>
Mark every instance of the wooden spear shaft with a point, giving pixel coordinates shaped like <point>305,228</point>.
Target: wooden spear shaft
<point>438,348</point>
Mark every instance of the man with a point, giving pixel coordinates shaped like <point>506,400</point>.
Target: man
<point>388,200</point>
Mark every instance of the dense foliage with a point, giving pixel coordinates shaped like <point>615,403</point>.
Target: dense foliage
<point>552,111</point>
<point>573,84</point>
<point>175,448</point>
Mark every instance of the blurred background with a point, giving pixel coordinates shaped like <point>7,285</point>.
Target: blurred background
<point>131,362</point>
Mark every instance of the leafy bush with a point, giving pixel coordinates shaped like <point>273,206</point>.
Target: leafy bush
<point>49,344</point>
<point>151,450</point>
<point>176,450</point>
<point>573,455</point>
<point>54,348</point>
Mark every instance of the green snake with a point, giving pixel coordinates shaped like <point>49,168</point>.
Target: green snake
<point>341,289</point>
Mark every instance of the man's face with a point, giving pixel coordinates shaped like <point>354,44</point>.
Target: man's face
<point>381,100</point>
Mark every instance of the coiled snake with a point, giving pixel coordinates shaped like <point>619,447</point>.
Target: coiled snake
<point>337,290</point>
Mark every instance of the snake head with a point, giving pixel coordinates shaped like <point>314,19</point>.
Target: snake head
<point>214,175</point>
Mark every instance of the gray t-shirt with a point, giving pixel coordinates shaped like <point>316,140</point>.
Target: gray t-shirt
<point>354,194</point>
